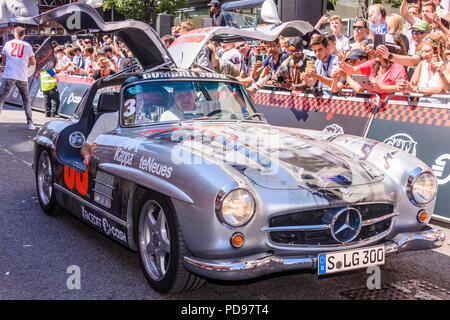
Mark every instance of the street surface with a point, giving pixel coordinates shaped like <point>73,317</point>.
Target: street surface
<point>36,249</point>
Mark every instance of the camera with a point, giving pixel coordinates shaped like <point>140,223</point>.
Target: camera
<point>281,74</point>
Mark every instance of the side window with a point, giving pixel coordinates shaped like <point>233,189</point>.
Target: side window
<point>79,110</point>
<point>144,103</point>
<point>112,89</point>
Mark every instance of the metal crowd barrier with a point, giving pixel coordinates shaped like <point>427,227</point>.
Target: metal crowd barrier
<point>345,113</point>
<point>418,127</point>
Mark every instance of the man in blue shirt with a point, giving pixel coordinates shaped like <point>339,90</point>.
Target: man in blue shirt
<point>325,64</point>
<point>276,56</point>
<point>377,19</point>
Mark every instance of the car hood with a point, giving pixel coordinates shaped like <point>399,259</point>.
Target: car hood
<point>272,157</point>
<point>140,38</point>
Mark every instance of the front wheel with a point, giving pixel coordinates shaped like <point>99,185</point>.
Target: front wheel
<point>161,247</point>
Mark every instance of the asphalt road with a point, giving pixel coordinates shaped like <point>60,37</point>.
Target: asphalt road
<point>36,250</point>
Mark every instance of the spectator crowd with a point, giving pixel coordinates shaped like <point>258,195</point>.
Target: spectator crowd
<point>94,60</point>
<point>387,54</point>
<point>406,53</point>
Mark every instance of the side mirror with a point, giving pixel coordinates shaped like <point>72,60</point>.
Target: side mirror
<point>269,13</point>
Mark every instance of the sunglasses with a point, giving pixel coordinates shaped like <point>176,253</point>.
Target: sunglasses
<point>358,27</point>
<point>294,53</point>
<point>417,32</point>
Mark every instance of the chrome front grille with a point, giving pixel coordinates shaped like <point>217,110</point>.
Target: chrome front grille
<point>310,228</point>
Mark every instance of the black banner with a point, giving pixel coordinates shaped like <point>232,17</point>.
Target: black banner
<point>423,132</point>
<point>71,89</point>
<point>348,115</point>
<point>45,58</point>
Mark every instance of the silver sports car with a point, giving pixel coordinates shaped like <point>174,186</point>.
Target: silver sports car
<point>195,180</point>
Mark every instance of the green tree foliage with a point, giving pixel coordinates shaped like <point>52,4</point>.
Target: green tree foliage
<point>144,10</point>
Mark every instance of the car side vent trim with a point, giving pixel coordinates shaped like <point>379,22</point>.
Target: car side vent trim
<point>103,188</point>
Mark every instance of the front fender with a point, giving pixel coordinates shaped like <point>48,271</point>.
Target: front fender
<point>146,180</point>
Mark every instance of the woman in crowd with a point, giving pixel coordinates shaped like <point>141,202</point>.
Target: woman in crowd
<point>105,69</point>
<point>387,74</point>
<point>384,75</point>
<point>395,26</point>
<point>426,78</point>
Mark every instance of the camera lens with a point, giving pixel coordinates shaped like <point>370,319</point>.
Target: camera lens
<point>281,79</point>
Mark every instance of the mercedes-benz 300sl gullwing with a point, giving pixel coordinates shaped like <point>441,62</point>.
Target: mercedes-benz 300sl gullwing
<point>194,179</point>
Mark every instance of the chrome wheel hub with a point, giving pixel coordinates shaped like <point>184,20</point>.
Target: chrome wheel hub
<point>45,178</point>
<point>154,240</point>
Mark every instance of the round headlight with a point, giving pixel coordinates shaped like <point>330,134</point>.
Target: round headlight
<point>238,207</point>
<point>423,188</point>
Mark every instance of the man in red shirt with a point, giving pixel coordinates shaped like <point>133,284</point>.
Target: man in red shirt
<point>17,56</point>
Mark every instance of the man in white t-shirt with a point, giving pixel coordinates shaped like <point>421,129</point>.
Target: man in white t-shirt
<point>342,42</point>
<point>17,56</point>
<point>232,54</point>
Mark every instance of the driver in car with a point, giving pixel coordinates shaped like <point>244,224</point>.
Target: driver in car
<point>184,98</point>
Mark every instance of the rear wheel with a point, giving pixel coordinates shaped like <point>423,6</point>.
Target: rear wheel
<point>44,183</point>
<point>161,247</point>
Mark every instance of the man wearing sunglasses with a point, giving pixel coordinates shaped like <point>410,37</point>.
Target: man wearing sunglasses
<point>419,31</point>
<point>361,33</point>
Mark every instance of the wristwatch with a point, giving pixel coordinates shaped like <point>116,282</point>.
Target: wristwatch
<point>390,56</point>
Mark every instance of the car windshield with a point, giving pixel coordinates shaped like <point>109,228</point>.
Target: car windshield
<point>154,102</point>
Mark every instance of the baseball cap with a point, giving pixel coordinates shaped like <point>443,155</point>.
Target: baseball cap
<point>108,48</point>
<point>357,54</point>
<point>296,44</point>
<point>214,3</point>
<point>421,25</point>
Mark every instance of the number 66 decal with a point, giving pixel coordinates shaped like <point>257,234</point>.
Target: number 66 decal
<point>73,178</point>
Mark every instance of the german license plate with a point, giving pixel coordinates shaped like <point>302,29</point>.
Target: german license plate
<point>349,260</point>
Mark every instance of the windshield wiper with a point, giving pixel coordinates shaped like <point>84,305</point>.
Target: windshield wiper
<point>206,118</point>
<point>249,117</point>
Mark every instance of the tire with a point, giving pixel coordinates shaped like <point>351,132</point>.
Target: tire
<point>161,247</point>
<point>44,183</point>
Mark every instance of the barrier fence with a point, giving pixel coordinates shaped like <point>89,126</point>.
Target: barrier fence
<point>340,114</point>
<point>420,128</point>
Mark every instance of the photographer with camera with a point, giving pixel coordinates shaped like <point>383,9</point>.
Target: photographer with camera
<point>288,75</point>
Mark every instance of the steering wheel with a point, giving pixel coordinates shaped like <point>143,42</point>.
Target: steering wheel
<point>219,111</point>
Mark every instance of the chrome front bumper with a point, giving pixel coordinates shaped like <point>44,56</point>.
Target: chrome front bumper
<point>255,266</point>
